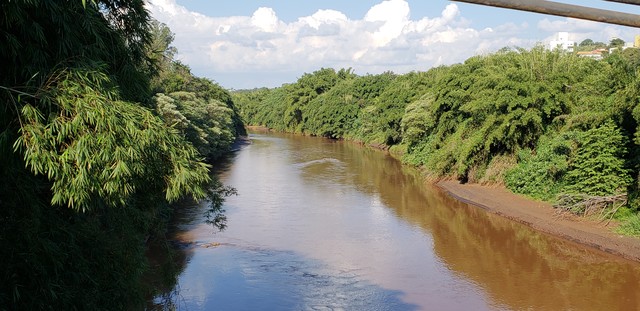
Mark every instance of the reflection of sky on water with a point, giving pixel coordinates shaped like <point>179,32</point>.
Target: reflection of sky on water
<point>229,277</point>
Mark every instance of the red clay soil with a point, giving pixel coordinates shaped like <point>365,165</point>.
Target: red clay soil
<point>543,217</point>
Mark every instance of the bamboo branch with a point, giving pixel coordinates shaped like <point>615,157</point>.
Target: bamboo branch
<point>566,10</point>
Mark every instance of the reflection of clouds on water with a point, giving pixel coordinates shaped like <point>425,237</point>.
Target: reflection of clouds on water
<point>231,277</point>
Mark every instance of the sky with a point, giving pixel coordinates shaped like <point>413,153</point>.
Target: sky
<point>245,44</point>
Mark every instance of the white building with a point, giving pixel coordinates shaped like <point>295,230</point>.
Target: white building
<point>624,47</point>
<point>562,42</point>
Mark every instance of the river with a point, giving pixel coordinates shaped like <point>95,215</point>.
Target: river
<point>327,225</point>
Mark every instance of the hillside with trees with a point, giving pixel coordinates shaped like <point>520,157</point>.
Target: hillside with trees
<point>546,124</point>
<point>100,131</point>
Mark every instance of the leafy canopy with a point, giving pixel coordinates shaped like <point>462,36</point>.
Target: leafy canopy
<point>91,145</point>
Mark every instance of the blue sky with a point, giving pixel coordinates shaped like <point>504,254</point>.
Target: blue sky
<point>246,44</point>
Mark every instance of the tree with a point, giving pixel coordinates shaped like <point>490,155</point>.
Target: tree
<point>87,167</point>
<point>541,173</point>
<point>308,87</point>
<point>586,42</point>
<point>99,148</point>
<point>335,113</point>
<point>415,121</point>
<point>207,124</point>
<point>160,52</point>
<point>632,56</point>
<point>392,102</point>
<point>172,76</point>
<point>616,43</point>
<point>599,166</point>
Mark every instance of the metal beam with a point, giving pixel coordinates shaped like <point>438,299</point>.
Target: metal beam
<point>566,10</point>
<point>636,2</point>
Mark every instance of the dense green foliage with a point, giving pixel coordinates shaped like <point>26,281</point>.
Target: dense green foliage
<point>541,174</point>
<point>89,158</point>
<point>208,125</point>
<point>599,167</point>
<point>97,147</point>
<point>541,122</point>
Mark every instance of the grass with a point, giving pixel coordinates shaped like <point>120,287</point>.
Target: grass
<point>631,226</point>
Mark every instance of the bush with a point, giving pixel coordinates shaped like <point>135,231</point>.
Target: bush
<point>541,174</point>
<point>631,226</point>
<point>599,165</point>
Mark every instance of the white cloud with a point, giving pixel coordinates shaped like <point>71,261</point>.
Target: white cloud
<point>582,29</point>
<point>325,17</point>
<point>393,16</point>
<point>265,19</point>
<point>223,48</point>
<point>569,25</point>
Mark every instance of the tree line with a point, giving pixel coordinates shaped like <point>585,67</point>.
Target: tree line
<point>543,123</point>
<point>100,130</point>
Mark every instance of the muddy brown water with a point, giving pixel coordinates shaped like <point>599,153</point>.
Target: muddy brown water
<point>327,225</point>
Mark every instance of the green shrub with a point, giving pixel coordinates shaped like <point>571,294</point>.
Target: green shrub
<point>599,165</point>
<point>541,174</point>
<point>631,226</point>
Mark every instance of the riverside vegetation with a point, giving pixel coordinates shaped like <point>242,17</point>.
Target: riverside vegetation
<point>547,124</point>
<point>100,131</point>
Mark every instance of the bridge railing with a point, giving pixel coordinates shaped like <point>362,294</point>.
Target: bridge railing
<point>567,10</point>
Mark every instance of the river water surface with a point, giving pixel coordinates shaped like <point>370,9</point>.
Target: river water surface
<point>328,225</point>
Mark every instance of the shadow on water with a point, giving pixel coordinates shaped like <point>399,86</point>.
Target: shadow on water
<point>168,257</point>
<point>187,213</point>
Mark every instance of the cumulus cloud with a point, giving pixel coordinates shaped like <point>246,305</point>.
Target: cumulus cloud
<point>265,19</point>
<point>385,39</point>
<point>391,16</point>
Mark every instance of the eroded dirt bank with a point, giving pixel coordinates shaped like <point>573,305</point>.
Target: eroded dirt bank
<point>543,217</point>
